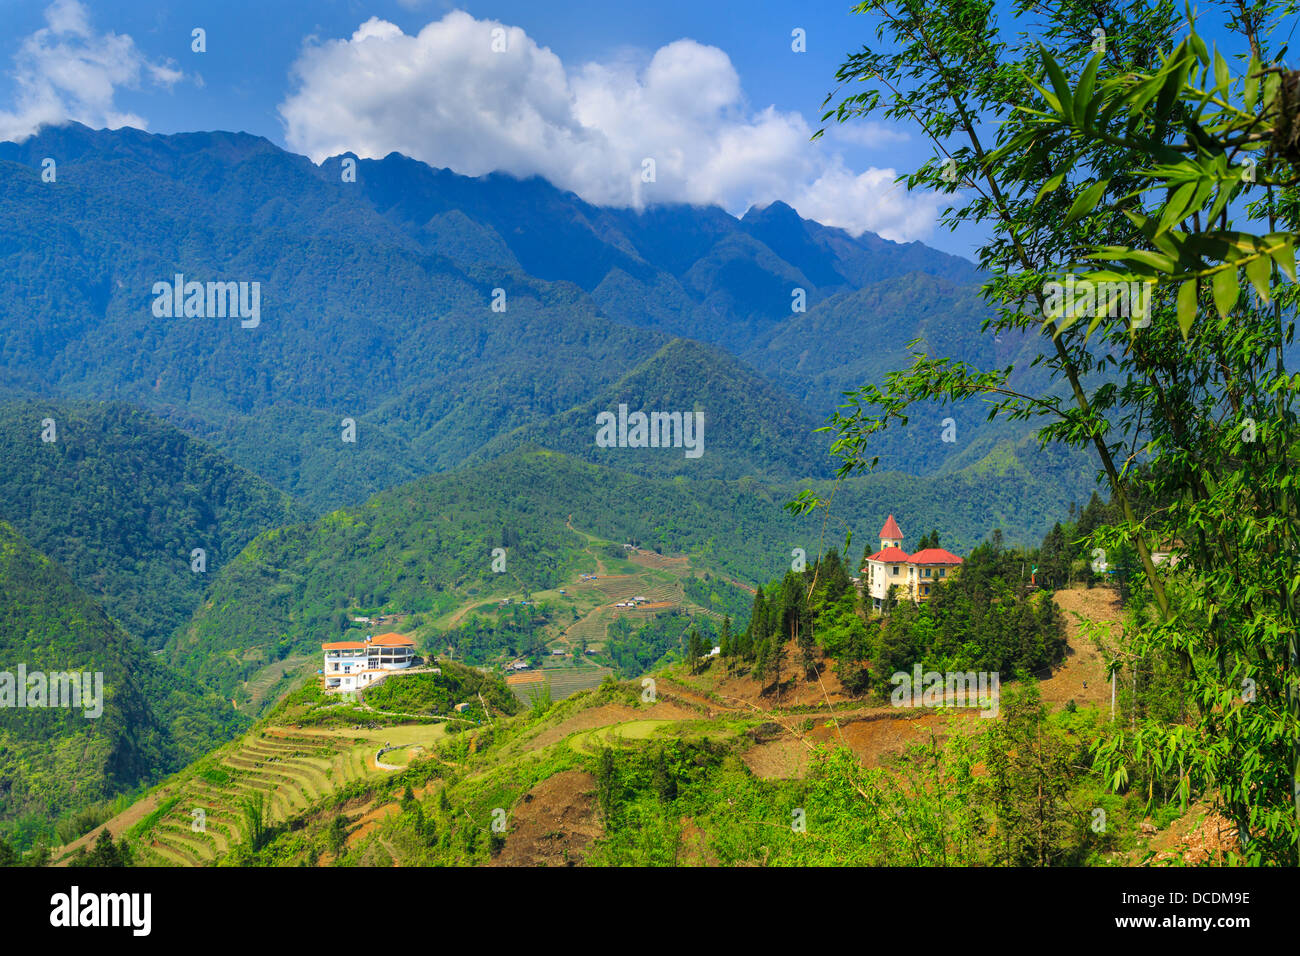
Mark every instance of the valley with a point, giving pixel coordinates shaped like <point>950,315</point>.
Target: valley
<point>526,790</point>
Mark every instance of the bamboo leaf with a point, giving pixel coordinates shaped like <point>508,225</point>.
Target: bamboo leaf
<point>1260,271</point>
<point>1050,186</point>
<point>1086,201</point>
<point>1186,306</point>
<point>1222,76</point>
<point>1176,208</point>
<point>1059,84</point>
<point>1284,253</point>
<point>1225,288</point>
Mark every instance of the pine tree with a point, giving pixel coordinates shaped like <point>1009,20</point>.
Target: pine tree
<point>757,629</point>
<point>807,646</point>
<point>776,658</point>
<point>760,663</point>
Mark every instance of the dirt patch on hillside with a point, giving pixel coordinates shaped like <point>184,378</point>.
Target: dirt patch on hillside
<point>554,824</point>
<point>784,759</point>
<point>368,821</point>
<point>528,677</point>
<point>1199,836</point>
<point>871,738</point>
<point>1083,662</point>
<point>740,689</point>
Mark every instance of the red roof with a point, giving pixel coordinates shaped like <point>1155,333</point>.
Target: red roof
<point>891,529</point>
<point>892,555</point>
<point>935,556</point>
<point>393,640</point>
<point>344,646</point>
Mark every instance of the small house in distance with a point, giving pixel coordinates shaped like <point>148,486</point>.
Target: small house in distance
<point>351,665</point>
<point>912,574</point>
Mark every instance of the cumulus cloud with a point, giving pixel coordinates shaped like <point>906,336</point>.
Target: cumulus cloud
<point>869,200</point>
<point>478,95</point>
<point>67,71</point>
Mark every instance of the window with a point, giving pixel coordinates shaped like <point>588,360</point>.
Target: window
<point>943,572</point>
<point>925,573</point>
<point>894,570</point>
<point>927,589</point>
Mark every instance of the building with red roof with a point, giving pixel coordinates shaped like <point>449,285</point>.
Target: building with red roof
<point>351,665</point>
<point>910,576</point>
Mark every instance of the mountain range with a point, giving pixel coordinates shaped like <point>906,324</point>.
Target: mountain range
<point>377,306</point>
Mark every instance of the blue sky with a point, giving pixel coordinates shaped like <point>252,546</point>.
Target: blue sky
<point>583,93</point>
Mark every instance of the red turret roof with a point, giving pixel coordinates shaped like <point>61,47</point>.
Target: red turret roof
<point>934,556</point>
<point>891,529</point>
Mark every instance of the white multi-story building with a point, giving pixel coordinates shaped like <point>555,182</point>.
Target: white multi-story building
<point>351,665</point>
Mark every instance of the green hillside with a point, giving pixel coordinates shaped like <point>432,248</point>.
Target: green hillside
<point>121,499</point>
<point>750,426</point>
<point>426,547</point>
<point>55,760</point>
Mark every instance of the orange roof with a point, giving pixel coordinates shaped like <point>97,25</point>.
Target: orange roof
<point>344,646</point>
<point>934,556</point>
<point>890,555</point>
<point>393,640</point>
<point>891,529</point>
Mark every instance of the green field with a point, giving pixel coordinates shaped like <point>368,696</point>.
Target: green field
<point>292,769</point>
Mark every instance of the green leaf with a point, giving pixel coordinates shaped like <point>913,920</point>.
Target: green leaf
<point>1222,76</point>
<point>1224,287</point>
<point>1260,272</point>
<point>1176,208</point>
<point>1083,93</point>
<point>1050,186</point>
<point>1086,200</point>
<point>1059,84</point>
<point>1186,306</point>
<point>1250,91</point>
<point>1284,253</point>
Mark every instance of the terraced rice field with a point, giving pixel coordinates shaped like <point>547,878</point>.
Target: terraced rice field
<point>563,682</point>
<point>651,559</point>
<point>268,678</point>
<point>592,741</point>
<point>621,587</point>
<point>591,628</point>
<point>291,769</point>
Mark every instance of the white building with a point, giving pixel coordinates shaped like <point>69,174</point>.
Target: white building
<point>351,665</point>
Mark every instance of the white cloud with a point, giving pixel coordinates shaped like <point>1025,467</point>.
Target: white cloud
<point>67,71</point>
<point>869,200</point>
<point>443,96</point>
